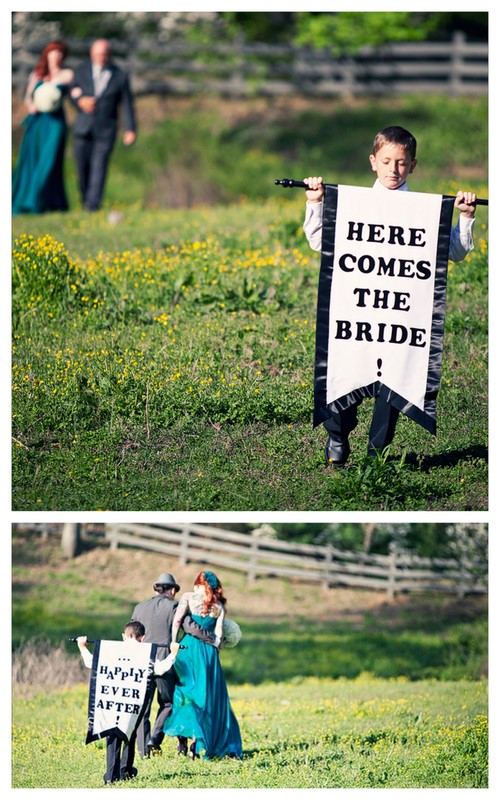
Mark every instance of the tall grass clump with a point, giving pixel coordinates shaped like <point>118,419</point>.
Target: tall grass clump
<point>38,664</point>
<point>43,278</point>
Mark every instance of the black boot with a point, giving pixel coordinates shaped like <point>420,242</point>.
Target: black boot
<point>152,749</point>
<point>383,426</point>
<point>192,751</point>
<point>337,450</point>
<point>338,427</point>
<point>182,747</point>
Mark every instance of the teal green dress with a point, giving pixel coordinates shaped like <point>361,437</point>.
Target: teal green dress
<point>38,182</point>
<point>201,707</point>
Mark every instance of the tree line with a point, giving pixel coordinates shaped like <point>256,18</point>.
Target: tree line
<point>425,539</point>
<point>343,33</point>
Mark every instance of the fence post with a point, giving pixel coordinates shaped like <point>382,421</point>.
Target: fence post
<point>183,553</point>
<point>254,555</point>
<point>461,587</point>
<point>456,63</point>
<point>70,539</point>
<point>328,577</point>
<point>44,531</point>
<point>392,571</point>
<point>112,536</point>
<point>349,77</point>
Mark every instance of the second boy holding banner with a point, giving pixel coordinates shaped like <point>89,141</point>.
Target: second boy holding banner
<point>119,688</point>
<point>393,159</point>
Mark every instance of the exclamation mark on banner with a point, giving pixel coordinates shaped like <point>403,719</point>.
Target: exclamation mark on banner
<point>379,367</point>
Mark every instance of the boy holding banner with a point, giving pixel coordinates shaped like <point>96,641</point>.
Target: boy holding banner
<point>393,159</point>
<point>121,672</point>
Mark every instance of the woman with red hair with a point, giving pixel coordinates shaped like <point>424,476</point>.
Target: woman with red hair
<point>201,709</point>
<point>38,182</point>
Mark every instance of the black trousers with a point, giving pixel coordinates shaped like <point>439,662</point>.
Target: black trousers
<point>382,428</point>
<point>92,158</point>
<point>164,685</point>
<point>119,758</point>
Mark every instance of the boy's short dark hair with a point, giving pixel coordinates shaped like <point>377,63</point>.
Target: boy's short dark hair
<point>135,627</point>
<point>394,134</point>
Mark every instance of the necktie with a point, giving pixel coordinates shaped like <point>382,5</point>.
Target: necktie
<point>100,81</point>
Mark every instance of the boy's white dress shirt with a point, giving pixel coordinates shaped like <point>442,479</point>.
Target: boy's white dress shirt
<point>461,241</point>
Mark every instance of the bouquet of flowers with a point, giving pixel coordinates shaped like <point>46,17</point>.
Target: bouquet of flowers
<point>231,633</point>
<point>47,97</point>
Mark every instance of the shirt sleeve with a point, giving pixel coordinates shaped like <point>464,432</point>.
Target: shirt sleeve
<point>87,657</point>
<point>313,224</point>
<point>461,239</point>
<point>164,664</point>
<point>219,625</point>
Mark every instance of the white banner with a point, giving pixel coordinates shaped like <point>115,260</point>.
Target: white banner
<point>118,686</point>
<point>380,324</point>
<point>382,291</point>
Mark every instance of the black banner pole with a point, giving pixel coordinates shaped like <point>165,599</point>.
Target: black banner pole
<point>93,641</point>
<point>289,183</point>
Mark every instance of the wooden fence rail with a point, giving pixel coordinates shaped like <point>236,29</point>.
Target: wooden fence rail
<point>457,67</point>
<point>328,566</point>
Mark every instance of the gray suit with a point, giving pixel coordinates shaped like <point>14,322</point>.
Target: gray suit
<point>157,614</point>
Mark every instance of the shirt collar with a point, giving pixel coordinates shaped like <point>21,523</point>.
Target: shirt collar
<point>403,188</point>
<point>96,70</point>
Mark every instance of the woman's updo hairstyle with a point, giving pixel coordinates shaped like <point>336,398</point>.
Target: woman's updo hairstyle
<point>213,589</point>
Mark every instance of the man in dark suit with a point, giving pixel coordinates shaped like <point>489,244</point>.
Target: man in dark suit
<point>98,90</point>
<point>157,614</point>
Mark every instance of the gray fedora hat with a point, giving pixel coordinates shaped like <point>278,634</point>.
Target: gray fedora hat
<point>166,579</point>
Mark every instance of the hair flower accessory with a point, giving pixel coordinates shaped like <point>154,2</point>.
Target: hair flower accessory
<point>211,579</point>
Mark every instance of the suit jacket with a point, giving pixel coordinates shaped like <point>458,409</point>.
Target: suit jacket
<point>103,122</point>
<point>157,615</point>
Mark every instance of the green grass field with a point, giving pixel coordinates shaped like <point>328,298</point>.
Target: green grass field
<point>303,733</point>
<point>165,361</point>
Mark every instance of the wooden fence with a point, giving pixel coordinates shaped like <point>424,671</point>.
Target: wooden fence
<point>328,566</point>
<point>457,67</point>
